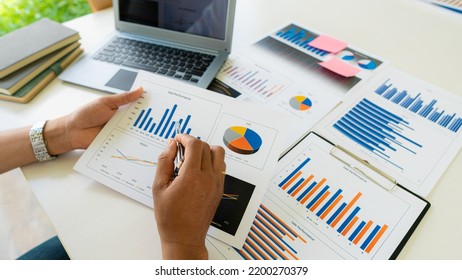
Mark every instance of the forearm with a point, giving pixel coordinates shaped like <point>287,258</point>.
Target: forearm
<point>74,131</point>
<point>16,149</point>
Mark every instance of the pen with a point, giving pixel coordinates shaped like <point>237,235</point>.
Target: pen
<point>179,153</point>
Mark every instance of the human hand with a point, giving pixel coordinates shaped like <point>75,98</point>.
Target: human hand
<point>184,207</point>
<point>78,129</point>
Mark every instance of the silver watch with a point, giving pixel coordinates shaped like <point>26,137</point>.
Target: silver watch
<point>39,145</point>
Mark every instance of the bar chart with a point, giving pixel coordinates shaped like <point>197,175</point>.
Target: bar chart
<point>294,35</point>
<point>336,203</point>
<point>157,120</point>
<point>330,205</point>
<point>163,127</point>
<point>319,207</point>
<point>253,79</point>
<point>408,128</point>
<point>271,238</point>
<point>377,130</point>
<point>300,37</point>
<point>425,107</point>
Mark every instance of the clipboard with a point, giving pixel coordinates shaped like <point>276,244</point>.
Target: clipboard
<point>324,202</point>
<point>387,183</point>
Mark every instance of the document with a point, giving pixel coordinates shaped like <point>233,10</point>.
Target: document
<point>404,126</point>
<point>319,206</point>
<point>284,72</point>
<point>124,154</point>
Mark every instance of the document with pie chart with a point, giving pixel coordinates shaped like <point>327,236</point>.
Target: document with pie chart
<point>124,154</point>
<point>282,71</point>
<point>242,140</point>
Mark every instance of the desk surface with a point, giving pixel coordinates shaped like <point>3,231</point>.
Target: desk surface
<point>95,222</point>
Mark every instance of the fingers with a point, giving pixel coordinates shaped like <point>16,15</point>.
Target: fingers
<point>206,163</point>
<point>120,99</point>
<point>218,159</point>
<point>164,172</point>
<point>200,156</point>
<point>193,151</point>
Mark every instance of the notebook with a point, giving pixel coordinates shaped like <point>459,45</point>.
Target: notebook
<point>38,83</point>
<point>30,43</point>
<point>184,40</point>
<point>16,80</point>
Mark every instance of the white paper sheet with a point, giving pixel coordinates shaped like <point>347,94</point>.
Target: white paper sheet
<point>319,208</point>
<point>124,154</point>
<point>281,71</point>
<point>404,126</point>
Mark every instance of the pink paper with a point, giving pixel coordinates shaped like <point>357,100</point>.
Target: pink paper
<point>328,44</point>
<point>340,67</point>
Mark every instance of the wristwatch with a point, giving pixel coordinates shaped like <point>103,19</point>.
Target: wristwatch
<point>39,145</point>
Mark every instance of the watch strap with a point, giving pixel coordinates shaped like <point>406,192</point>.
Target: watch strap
<point>38,142</point>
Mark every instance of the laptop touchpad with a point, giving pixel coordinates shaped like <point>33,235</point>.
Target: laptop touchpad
<point>122,80</point>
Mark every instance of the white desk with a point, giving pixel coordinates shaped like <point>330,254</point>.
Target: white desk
<point>95,222</point>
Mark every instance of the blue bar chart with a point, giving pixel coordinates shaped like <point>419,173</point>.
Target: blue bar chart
<point>300,37</point>
<point>428,108</point>
<point>340,211</point>
<point>377,130</point>
<point>319,207</point>
<point>157,120</point>
<point>406,127</point>
<point>164,127</point>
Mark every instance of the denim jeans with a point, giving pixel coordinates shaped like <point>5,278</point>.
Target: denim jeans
<point>52,249</point>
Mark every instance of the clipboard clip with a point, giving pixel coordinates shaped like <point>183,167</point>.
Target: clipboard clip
<point>374,174</point>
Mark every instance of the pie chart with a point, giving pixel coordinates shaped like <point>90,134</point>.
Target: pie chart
<point>242,140</point>
<point>346,55</point>
<point>300,103</point>
<point>367,64</point>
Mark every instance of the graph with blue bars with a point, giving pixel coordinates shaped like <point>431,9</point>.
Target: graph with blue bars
<point>340,211</point>
<point>430,110</point>
<point>301,38</point>
<point>377,130</point>
<point>165,126</point>
<point>271,237</point>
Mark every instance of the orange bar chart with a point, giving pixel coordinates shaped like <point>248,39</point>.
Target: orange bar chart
<point>271,238</point>
<point>332,205</point>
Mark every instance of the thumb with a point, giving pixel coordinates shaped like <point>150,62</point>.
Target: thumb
<point>120,99</point>
<point>165,166</point>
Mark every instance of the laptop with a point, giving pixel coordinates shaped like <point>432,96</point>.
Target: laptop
<point>182,39</point>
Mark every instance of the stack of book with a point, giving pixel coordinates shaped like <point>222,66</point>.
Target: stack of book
<point>31,57</point>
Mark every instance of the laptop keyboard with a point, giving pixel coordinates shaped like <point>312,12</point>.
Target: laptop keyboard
<point>177,63</point>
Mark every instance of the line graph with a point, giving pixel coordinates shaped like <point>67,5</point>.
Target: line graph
<point>230,196</point>
<point>134,170</point>
<point>134,160</point>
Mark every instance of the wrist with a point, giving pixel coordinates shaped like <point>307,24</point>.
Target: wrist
<point>176,251</point>
<point>56,136</point>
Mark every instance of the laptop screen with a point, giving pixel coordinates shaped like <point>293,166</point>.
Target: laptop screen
<point>205,18</point>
